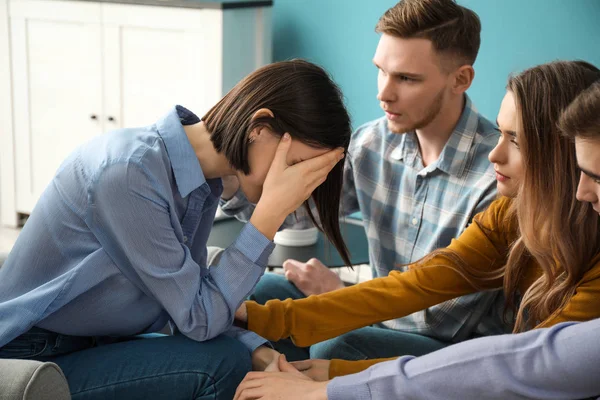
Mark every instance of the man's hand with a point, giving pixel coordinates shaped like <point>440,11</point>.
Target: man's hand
<point>311,277</point>
<point>288,384</point>
<point>263,357</point>
<point>317,370</point>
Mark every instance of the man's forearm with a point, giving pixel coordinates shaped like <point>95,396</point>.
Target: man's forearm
<point>555,363</point>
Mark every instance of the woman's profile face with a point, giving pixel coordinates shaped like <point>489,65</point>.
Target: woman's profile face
<point>506,156</point>
<point>260,156</point>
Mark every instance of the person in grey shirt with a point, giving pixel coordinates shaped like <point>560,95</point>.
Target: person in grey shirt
<point>560,362</point>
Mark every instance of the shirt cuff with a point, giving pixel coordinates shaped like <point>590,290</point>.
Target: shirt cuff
<point>346,388</point>
<point>250,339</point>
<point>254,245</point>
<point>242,265</point>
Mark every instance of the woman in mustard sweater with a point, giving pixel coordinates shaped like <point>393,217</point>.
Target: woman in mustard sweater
<point>537,242</point>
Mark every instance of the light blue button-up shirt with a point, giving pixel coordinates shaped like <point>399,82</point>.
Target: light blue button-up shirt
<point>116,245</point>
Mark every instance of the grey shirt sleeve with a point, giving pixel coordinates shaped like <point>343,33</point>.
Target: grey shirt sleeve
<point>561,362</point>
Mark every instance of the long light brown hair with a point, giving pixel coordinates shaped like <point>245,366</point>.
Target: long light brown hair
<point>558,231</point>
<point>551,227</point>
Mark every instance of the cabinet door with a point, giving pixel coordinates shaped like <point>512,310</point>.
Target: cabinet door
<point>57,73</point>
<point>156,57</point>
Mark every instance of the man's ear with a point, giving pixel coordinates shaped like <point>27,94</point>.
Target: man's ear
<point>463,78</point>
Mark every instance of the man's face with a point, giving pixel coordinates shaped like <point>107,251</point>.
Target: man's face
<point>413,88</point>
<point>588,159</point>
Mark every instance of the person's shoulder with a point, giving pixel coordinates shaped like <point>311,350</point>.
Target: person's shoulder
<point>500,207</point>
<point>486,132</point>
<point>365,133</point>
<point>374,127</point>
<point>134,145</point>
<point>485,139</point>
<point>127,150</point>
<point>497,212</point>
<point>501,204</point>
<point>594,271</point>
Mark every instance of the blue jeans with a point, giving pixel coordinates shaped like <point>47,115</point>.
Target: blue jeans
<point>360,344</point>
<point>142,367</point>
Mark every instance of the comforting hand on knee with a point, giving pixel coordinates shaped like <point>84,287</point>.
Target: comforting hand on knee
<point>286,383</point>
<point>317,370</point>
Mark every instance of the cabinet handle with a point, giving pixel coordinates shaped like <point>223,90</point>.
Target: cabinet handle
<point>94,117</point>
<point>111,119</point>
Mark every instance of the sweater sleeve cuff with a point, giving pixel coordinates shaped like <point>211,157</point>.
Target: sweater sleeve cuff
<point>268,320</point>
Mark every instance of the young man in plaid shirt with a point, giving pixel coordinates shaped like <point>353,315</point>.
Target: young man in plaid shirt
<point>418,175</point>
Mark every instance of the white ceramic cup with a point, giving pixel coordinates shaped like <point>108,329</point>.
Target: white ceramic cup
<point>297,237</point>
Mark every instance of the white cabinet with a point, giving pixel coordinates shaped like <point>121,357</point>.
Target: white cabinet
<point>57,89</point>
<point>82,68</point>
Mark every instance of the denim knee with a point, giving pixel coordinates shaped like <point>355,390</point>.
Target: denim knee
<point>231,366</point>
<point>235,362</point>
<point>274,286</point>
<point>345,347</point>
<point>169,367</point>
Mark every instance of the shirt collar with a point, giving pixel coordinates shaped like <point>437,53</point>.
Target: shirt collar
<point>186,168</point>
<point>407,150</point>
<point>454,156</point>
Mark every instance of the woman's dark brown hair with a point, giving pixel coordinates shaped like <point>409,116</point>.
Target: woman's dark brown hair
<point>308,105</point>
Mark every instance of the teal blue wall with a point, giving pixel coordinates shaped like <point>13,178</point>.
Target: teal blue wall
<point>516,34</point>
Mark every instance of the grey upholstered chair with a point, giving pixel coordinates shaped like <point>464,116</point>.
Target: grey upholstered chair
<point>31,380</point>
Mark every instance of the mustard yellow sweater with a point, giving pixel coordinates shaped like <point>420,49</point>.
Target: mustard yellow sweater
<point>317,318</point>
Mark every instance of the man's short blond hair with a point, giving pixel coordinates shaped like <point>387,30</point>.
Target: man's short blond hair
<point>454,30</point>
